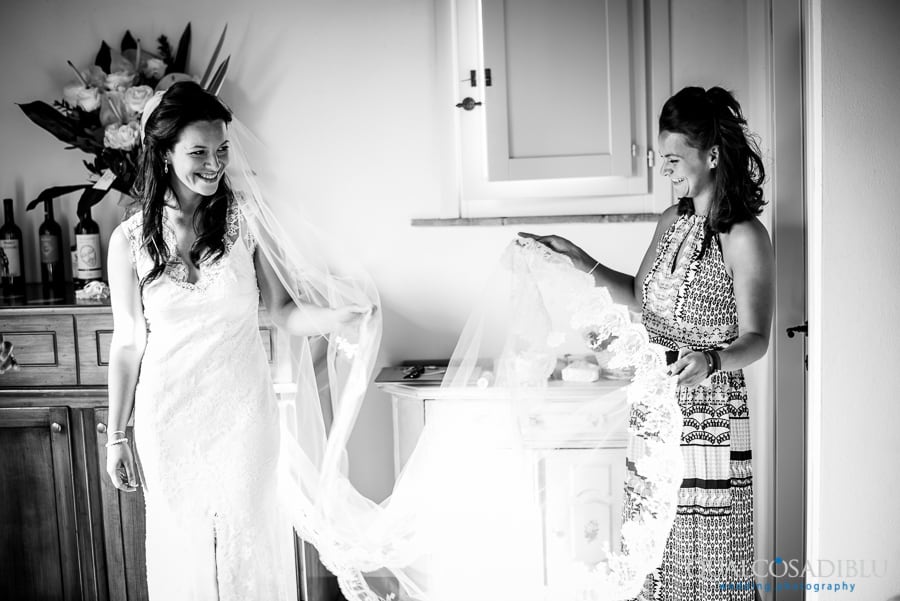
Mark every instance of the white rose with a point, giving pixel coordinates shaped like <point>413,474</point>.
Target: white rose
<point>119,80</point>
<point>155,68</point>
<point>78,95</point>
<point>122,137</point>
<point>136,97</point>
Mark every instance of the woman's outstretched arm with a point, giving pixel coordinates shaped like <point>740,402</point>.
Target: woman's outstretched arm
<point>301,319</point>
<point>125,353</point>
<point>624,288</point>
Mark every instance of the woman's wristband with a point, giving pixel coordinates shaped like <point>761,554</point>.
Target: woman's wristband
<point>713,362</point>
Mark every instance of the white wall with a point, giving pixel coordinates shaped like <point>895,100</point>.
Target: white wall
<point>343,91</point>
<point>859,481</point>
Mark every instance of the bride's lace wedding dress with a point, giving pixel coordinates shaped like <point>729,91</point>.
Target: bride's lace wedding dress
<point>206,430</point>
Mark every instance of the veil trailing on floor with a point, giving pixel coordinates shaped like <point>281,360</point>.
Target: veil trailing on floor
<point>531,478</point>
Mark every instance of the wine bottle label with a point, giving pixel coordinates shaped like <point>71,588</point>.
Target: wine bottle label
<point>49,248</point>
<point>10,265</point>
<point>89,262</point>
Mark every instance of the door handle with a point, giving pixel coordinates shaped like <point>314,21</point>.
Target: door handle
<point>804,329</point>
<point>468,103</point>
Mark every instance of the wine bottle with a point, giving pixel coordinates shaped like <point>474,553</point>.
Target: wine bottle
<point>87,243</point>
<point>12,257</point>
<point>52,276</point>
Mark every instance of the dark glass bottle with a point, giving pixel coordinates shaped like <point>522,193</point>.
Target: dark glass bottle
<point>53,278</point>
<point>87,243</point>
<point>12,257</point>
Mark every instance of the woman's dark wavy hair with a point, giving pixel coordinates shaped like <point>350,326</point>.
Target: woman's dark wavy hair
<point>183,103</point>
<point>710,118</point>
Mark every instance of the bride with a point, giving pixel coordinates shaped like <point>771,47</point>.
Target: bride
<point>186,275</point>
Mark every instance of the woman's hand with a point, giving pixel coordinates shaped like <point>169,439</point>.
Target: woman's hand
<point>559,244</point>
<point>120,467</point>
<point>349,315</point>
<point>7,361</point>
<point>691,369</point>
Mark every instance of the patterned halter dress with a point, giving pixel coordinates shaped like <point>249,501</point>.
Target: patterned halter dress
<point>689,302</point>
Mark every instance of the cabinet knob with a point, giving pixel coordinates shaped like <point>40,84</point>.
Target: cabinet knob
<point>101,427</point>
<point>56,428</point>
<point>468,103</point>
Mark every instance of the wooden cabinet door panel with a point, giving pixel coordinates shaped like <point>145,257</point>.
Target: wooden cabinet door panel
<point>585,496</point>
<point>38,547</point>
<point>559,103</point>
<point>124,527</point>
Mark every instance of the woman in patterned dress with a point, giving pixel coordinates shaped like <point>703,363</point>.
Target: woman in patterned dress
<point>706,291</point>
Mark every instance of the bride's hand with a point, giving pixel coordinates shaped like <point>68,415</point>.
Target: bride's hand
<point>350,314</point>
<point>120,467</point>
<point>564,247</point>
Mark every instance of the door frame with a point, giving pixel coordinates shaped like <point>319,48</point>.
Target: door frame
<point>812,139</point>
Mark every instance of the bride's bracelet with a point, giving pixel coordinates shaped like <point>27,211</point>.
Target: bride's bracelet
<point>113,443</point>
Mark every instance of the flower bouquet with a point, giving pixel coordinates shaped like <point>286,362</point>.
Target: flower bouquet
<point>100,112</point>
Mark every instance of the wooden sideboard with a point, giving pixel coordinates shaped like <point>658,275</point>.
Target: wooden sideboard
<point>580,472</point>
<point>65,532</point>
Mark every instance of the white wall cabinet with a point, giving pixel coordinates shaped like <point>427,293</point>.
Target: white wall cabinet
<point>556,105</point>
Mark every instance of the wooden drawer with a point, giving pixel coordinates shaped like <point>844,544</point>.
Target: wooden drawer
<point>94,335</point>
<point>44,347</point>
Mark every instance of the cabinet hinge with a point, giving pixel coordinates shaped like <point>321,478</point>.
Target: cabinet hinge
<point>634,150</point>
<point>651,160</point>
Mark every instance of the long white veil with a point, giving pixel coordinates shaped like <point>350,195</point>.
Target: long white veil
<point>522,485</point>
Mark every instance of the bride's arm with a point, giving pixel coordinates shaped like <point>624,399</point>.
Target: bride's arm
<point>125,352</point>
<point>299,319</point>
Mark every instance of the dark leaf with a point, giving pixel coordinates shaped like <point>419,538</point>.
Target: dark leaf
<point>212,62</point>
<point>88,199</point>
<point>219,78</point>
<point>51,120</point>
<point>104,57</point>
<point>54,192</point>
<point>165,50</point>
<point>128,42</point>
<point>122,185</point>
<point>184,48</point>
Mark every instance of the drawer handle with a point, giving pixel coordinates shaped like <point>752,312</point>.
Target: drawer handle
<point>101,427</point>
<point>56,428</point>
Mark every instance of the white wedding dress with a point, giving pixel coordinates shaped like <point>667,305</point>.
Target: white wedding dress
<point>206,430</point>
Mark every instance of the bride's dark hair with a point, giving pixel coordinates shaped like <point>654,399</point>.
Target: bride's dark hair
<point>183,103</point>
<point>710,118</point>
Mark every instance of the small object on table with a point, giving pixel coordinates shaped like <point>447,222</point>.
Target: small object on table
<point>94,290</point>
<point>580,370</point>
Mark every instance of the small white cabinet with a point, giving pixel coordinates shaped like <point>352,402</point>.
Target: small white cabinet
<point>580,478</point>
<point>555,104</point>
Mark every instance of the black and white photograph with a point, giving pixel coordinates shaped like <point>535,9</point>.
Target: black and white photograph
<point>449,300</point>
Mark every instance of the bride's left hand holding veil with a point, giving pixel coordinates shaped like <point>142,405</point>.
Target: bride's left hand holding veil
<point>303,319</point>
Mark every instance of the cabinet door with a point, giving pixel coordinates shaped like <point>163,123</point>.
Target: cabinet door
<point>585,495</point>
<point>38,547</point>
<point>559,103</point>
<point>123,527</point>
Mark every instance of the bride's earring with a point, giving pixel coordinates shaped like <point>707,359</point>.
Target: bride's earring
<point>166,168</point>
